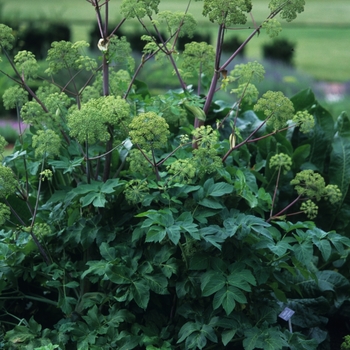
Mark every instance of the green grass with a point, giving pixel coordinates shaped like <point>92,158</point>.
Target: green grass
<point>320,32</point>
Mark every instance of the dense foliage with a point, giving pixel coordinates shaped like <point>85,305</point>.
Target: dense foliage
<point>175,221</point>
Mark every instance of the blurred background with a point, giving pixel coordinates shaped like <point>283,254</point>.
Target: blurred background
<point>312,51</point>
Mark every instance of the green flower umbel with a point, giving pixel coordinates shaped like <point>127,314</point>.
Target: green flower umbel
<point>149,131</point>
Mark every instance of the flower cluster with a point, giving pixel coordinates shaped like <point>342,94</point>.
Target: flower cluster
<point>246,92</point>
<point>312,185</point>
<point>3,144</point>
<point>282,161</point>
<point>289,8</point>
<point>332,193</point>
<point>248,72</point>
<point>14,97</point>
<point>26,64</point>
<point>139,8</point>
<point>138,164</point>
<point>198,58</point>
<point>90,123</point>
<point>205,157</point>
<point>135,191</point>
<point>5,213</point>
<point>272,27</point>
<point>8,182</point>
<point>176,20</point>
<point>305,121</point>
<point>183,170</point>
<point>149,131</point>
<point>66,55</point>
<point>276,107</point>
<point>6,37</point>
<point>46,175</point>
<point>310,209</point>
<point>227,12</point>
<point>245,75</point>
<point>46,143</point>
<point>33,113</point>
<point>309,184</point>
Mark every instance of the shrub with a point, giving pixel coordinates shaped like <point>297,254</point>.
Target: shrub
<point>8,133</point>
<point>281,50</point>
<point>37,36</point>
<point>171,221</point>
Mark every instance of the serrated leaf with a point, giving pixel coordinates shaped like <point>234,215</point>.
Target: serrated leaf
<point>227,336</point>
<point>339,166</point>
<point>173,232</point>
<point>141,294</point>
<point>226,297</point>
<point>240,277</point>
<point>219,189</point>
<point>209,333</point>
<point>325,248</point>
<point>252,340</point>
<point>331,281</point>
<point>199,262</point>
<point>97,267</point>
<point>157,282</point>
<point>211,282</point>
<point>72,284</point>
<point>156,234</point>
<point>110,185</point>
<point>304,252</point>
<point>89,198</point>
<point>210,203</point>
<point>107,252</point>
<point>65,303</point>
<point>187,329</point>
<point>280,248</point>
<point>119,274</point>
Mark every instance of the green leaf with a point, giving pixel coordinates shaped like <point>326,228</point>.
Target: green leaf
<point>303,100</point>
<point>141,294</point>
<point>155,234</point>
<point>65,303</point>
<point>173,232</point>
<point>300,156</point>
<point>199,261</point>
<point>109,185</point>
<point>304,252</point>
<point>107,252</point>
<point>325,248</point>
<point>18,335</point>
<point>158,283</point>
<point>92,318</point>
<point>119,274</point>
<point>331,281</point>
<point>226,297</point>
<point>97,267</point>
<point>227,335</point>
<point>187,329</point>
<point>281,247</point>
<point>210,203</point>
<point>339,166</point>
<point>240,277</point>
<point>213,235</point>
<point>322,137</point>
<point>209,333</point>
<point>99,200</point>
<point>252,339</point>
<point>72,284</point>
<point>219,189</point>
<point>211,282</point>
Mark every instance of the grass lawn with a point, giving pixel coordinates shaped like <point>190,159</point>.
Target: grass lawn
<point>321,33</point>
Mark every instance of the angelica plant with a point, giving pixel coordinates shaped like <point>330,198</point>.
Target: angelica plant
<point>120,200</point>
